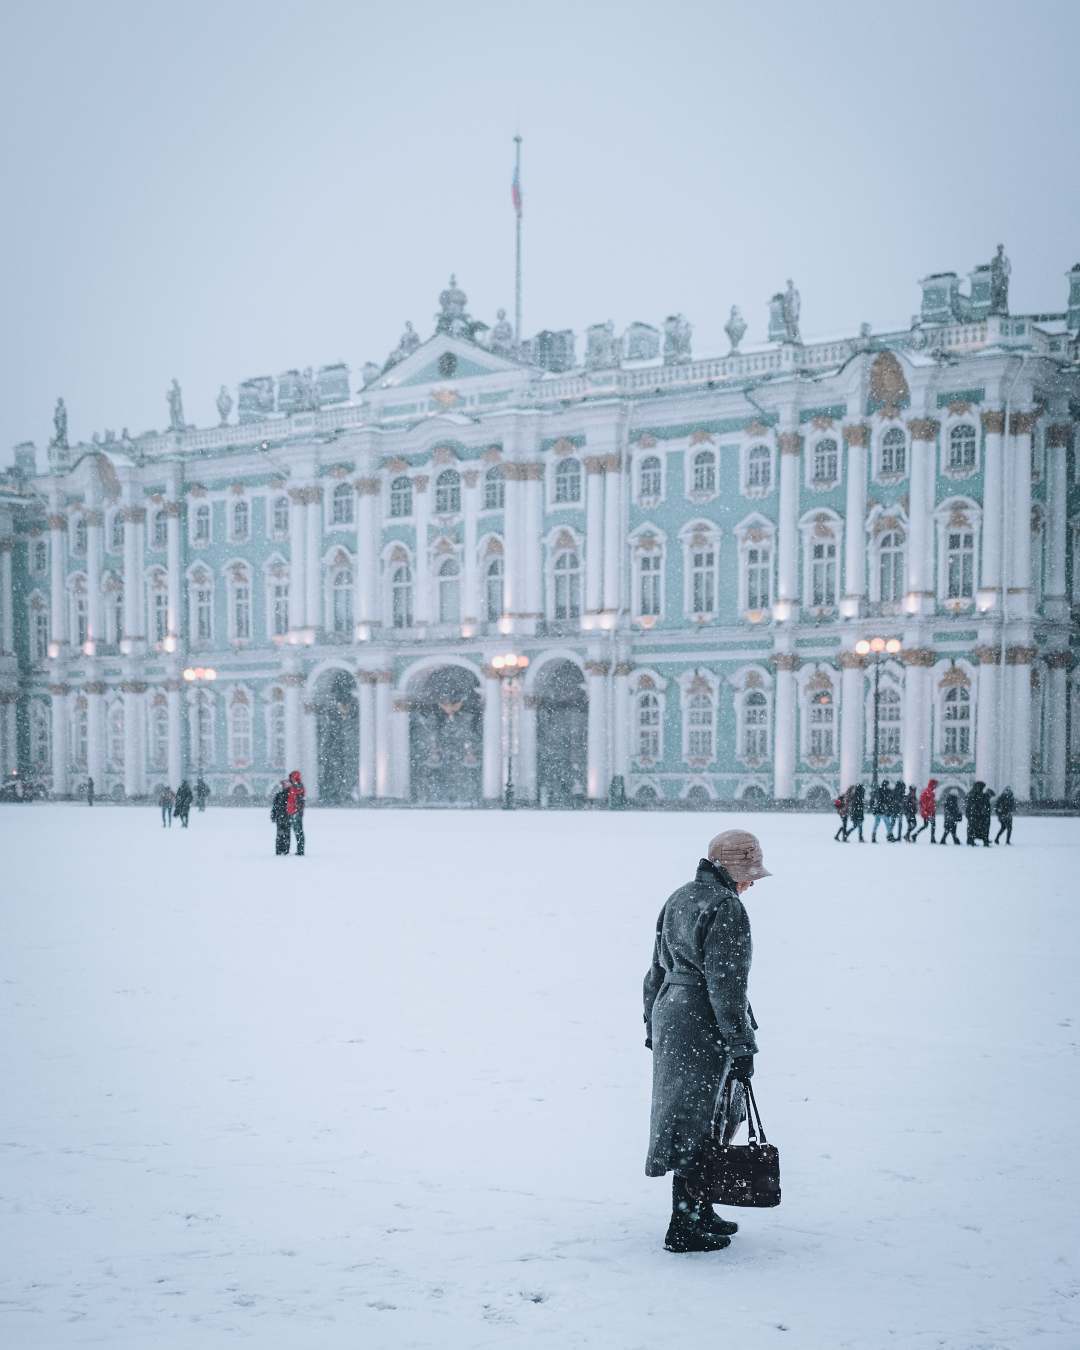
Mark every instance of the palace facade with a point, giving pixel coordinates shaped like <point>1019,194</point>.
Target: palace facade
<point>686,550</point>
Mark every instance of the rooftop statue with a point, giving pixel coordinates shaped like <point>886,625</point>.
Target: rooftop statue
<point>309,392</point>
<point>452,317</point>
<point>791,311</point>
<point>224,404</point>
<point>60,424</point>
<point>407,344</point>
<point>677,334</point>
<point>502,334</point>
<point>602,348</point>
<point>1000,268</point>
<point>176,406</point>
<point>735,327</point>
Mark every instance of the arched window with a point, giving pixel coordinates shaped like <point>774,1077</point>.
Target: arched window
<point>280,518</point>
<point>240,732</point>
<point>956,722</point>
<point>241,519</point>
<point>401,497</point>
<point>342,588</point>
<point>494,489</point>
<point>826,466</point>
<point>341,504</point>
<point>567,577</point>
<point>755,725</point>
<point>159,736</point>
<point>79,733</point>
<point>649,478</point>
<point>648,726</point>
<point>115,738</point>
<point>401,595</point>
<point>962,445</point>
<point>159,530</point>
<point>568,481</point>
<point>758,468</point>
<point>448,493</point>
<point>959,564</point>
<point>894,452</point>
<point>78,536</point>
<point>889,715</point>
<point>449,587</point>
<point>822,722</point>
<point>493,589</point>
<point>757,560</point>
<point>891,566</point>
<point>704,473</point>
<point>699,725</point>
<point>116,532</point>
<point>200,524</point>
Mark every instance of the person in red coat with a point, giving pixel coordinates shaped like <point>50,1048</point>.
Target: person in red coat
<point>928,810</point>
<point>294,809</point>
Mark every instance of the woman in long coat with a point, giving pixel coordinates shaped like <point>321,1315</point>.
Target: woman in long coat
<point>700,1028</point>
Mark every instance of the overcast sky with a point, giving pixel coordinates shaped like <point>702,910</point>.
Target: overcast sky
<point>226,189</point>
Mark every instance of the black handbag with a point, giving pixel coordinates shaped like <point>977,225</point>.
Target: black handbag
<point>744,1174</point>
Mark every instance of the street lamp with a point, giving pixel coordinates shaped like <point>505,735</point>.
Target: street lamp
<point>198,675</point>
<point>874,647</point>
<point>509,667</point>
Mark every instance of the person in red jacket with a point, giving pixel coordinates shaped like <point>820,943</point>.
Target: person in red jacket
<point>294,810</point>
<point>928,810</point>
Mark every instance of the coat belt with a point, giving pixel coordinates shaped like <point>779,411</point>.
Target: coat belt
<point>691,981</point>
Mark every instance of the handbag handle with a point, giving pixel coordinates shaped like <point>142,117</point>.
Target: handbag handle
<point>751,1112</point>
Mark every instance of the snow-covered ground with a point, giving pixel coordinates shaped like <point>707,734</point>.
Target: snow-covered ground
<point>395,1093</point>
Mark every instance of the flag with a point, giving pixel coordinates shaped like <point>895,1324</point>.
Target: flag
<point>515,191</point>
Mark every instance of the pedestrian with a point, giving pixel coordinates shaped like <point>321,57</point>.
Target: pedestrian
<point>166,800</point>
<point>978,814</point>
<point>840,806</point>
<point>878,808</point>
<point>700,1028</point>
<point>894,804</point>
<point>928,810</point>
<point>202,792</point>
<point>89,792</point>
<point>953,814</point>
<point>294,809</point>
<point>911,812</point>
<point>280,816</point>
<point>857,808</point>
<point>1005,809</point>
<point>182,803</point>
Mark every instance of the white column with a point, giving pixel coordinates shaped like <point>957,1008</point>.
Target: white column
<point>7,597</point>
<point>514,556</point>
<point>11,739</point>
<point>599,763</point>
<point>309,751</point>
<point>1055,596</point>
<point>857,438</point>
<point>95,541</point>
<point>613,537</point>
<point>174,615</point>
<point>787,543</point>
<point>594,533</point>
<point>986,715</point>
<point>313,568</point>
<point>138,529</point>
<point>294,683</point>
<point>1022,424</point>
<point>367,552</point>
<point>993,423</point>
<point>422,570</point>
<point>493,746</point>
<point>58,608</point>
<point>401,766</point>
<point>132,586</point>
<point>532,502</point>
<point>1018,670</point>
<point>852,718</point>
<point>525,767</point>
<point>920,568</point>
<point>297,562</point>
<point>1055,747</point>
<point>620,720</point>
<point>176,744</point>
<point>366,696</point>
<point>95,734</point>
<point>471,607</point>
<point>786,664</point>
<point>917,663</point>
<point>60,784</point>
<point>134,756</point>
<point>384,778</point>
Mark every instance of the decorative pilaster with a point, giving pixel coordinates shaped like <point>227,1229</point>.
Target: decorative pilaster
<point>1057,707</point>
<point>60,757</point>
<point>95,547</point>
<point>920,573</point>
<point>384,751</point>
<point>993,424</point>
<point>613,536</point>
<point>988,715</point>
<point>787,543</point>
<point>95,733</point>
<point>297,567</point>
<point>1018,661</point>
<point>513,542</point>
<point>176,745</point>
<point>1055,597</point>
<point>471,607</point>
<point>620,720</point>
<point>422,571</point>
<point>785,665</point>
<point>599,764</point>
<point>857,439</point>
<point>917,665</point>
<point>294,683</point>
<point>313,569</point>
<point>852,718</point>
<point>1021,426</point>
<point>594,534</point>
<point>134,518</point>
<point>134,749</point>
<point>532,483</point>
<point>366,680</point>
<point>493,748</point>
<point>399,739</point>
<point>368,535</point>
<point>58,607</point>
<point>174,614</point>
<point>7,597</point>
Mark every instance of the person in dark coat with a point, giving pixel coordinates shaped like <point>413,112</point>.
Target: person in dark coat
<point>878,808</point>
<point>928,810</point>
<point>953,814</point>
<point>840,806</point>
<point>911,812</point>
<point>857,810</point>
<point>895,815</point>
<point>700,1028</point>
<point>182,804</point>
<point>89,792</point>
<point>280,816</point>
<point>978,813</point>
<point>1005,809</point>
<point>294,810</point>
<point>202,792</point>
<point>166,800</point>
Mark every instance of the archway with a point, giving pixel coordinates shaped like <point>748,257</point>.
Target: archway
<point>446,737</point>
<point>337,722</point>
<point>562,726</point>
<point>819,798</point>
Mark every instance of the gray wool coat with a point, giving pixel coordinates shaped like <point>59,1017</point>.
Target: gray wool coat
<point>697,1017</point>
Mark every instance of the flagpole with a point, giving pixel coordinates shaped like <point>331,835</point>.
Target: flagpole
<point>517,249</point>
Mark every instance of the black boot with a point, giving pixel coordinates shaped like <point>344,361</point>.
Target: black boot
<point>713,1223</point>
<point>686,1235</point>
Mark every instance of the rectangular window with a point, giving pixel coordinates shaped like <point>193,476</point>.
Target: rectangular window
<point>822,573</point>
<point>159,615</point>
<point>649,577</point>
<point>758,577</point>
<point>41,634</point>
<point>241,611</point>
<point>821,727</point>
<point>279,609</point>
<point>699,731</point>
<point>204,621</point>
<point>703,581</point>
<point>960,569</point>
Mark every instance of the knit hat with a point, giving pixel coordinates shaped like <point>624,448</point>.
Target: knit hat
<point>739,854</point>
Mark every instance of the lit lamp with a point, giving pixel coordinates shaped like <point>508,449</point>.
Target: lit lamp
<point>509,666</point>
<point>782,611</point>
<point>874,647</point>
<point>985,598</point>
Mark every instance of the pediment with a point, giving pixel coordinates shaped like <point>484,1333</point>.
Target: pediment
<point>444,359</point>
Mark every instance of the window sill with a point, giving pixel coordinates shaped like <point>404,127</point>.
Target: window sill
<point>756,492</point>
<point>648,503</point>
<point>700,497</point>
<point>968,471</point>
<point>817,485</point>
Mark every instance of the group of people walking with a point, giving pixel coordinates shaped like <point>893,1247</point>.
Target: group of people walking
<point>287,813</point>
<point>902,807</point>
<point>179,803</point>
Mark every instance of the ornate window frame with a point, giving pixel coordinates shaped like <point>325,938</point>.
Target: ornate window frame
<point>78,607</point>
<point>891,680</point>
<point>889,426</point>
<point>275,530</point>
<point>749,444</point>
<point>340,506</point>
<point>237,574</point>
<point>37,556</point>
<point>648,540</point>
<point>79,731</point>
<point>755,531</point>
<point>240,700</point>
<point>693,461</point>
<point>880,522</point>
<point>157,587</point>
<point>951,423</point>
<point>562,466</point>
<point>694,683</point>
<point>37,628</point>
<point>752,681</point>
<point>489,551</point>
<point>201,698</point>
<point>40,747</point>
<point>200,511</point>
<point>112,606</point>
<point>812,680</point>
<point>276,572</point>
<point>239,519</point>
<point>493,485</point>
<point>157,529</point>
<point>199,577</point>
<point>813,442</point>
<point>78,536</point>
<point>396,555</point>
<point>697,536</point>
<point>561,541</point>
<point>335,562</point>
<point>821,525</point>
<point>950,676</point>
<point>957,513</point>
<point>400,492</point>
<point>647,684</point>
<point>157,711</point>
<point>274,699</point>
<point>645,450</point>
<point>115,729</point>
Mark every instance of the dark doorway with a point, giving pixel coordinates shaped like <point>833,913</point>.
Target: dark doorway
<point>562,727</point>
<point>446,738</point>
<point>337,720</point>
